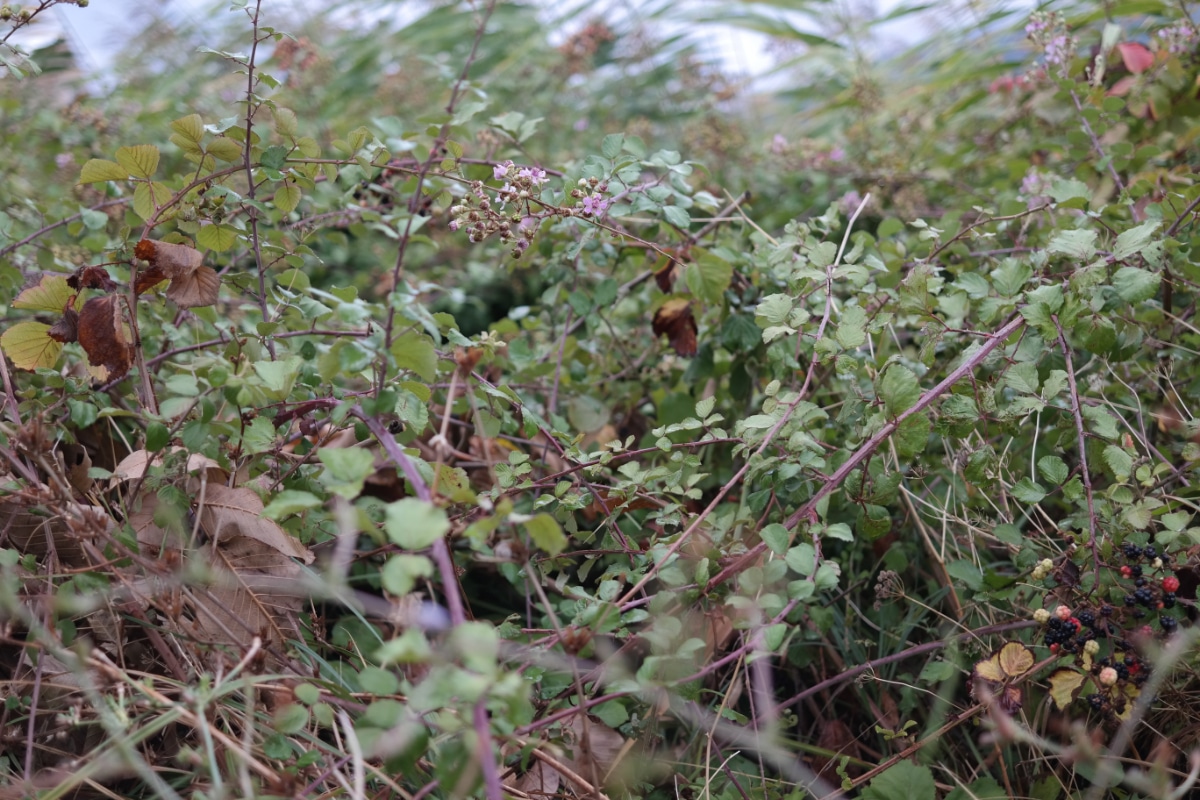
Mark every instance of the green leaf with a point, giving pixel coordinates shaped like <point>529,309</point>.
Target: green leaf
<point>611,146</point>
<point>285,122</point>
<point>902,781</point>
<point>148,198</point>
<point>157,437</point>
<point>140,160</point>
<point>802,559</point>
<point>190,127</point>
<point>402,571</point>
<point>1023,377</point>
<point>899,389</point>
<point>225,149</point>
<point>29,346</point>
<point>677,217</point>
<point>1131,242</point>
<point>415,351</point>
<point>287,197</point>
<point>98,170</point>
<point>259,436</point>
<point>1080,245</point>
<point>1135,285</point>
<point>290,501</point>
<point>217,237</point>
<point>708,277</point>
<point>1026,491</point>
<point>346,468</point>
<point>1063,189</point>
<point>1102,423</point>
<point>852,328</point>
<point>912,436</point>
<point>1053,469</point>
<point>1119,461</point>
<point>415,524</point>
<point>776,537</point>
<point>279,376</point>
<point>546,534</point>
<point>966,571</point>
<point>773,310</point>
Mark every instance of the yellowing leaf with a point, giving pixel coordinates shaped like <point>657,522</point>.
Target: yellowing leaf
<point>51,293</point>
<point>99,170</point>
<point>989,670</point>
<point>217,237</point>
<point>148,198</point>
<point>190,127</point>
<point>1064,686</point>
<point>141,160</point>
<point>29,346</point>
<point>288,197</point>
<point>225,149</point>
<point>1015,659</point>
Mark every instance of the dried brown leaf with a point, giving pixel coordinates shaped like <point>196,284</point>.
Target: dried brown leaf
<point>105,337</point>
<point>67,328</point>
<point>192,283</point>
<point>674,318</point>
<point>92,277</point>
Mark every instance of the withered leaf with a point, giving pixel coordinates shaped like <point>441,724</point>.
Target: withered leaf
<point>147,279</point>
<point>192,283</point>
<point>675,319</point>
<point>104,336</point>
<point>92,277</point>
<point>67,328</point>
<point>665,277</point>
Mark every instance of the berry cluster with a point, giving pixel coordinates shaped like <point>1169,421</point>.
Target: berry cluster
<point>1120,672</point>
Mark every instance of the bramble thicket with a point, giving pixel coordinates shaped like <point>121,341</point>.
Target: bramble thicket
<point>507,401</point>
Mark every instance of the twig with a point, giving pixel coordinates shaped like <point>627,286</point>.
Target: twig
<point>871,445</point>
<point>1082,441</point>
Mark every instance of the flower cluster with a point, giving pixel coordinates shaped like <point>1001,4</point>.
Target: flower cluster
<point>1178,38</point>
<point>590,194</point>
<point>1035,187</point>
<point>483,211</point>
<point>1049,32</point>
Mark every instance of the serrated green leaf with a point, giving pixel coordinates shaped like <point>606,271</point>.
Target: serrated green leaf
<point>1131,242</point>
<point>285,122</point>
<point>1079,244</point>
<point>225,149</point>
<point>611,146</point>
<point>1135,285</point>
<point>1053,469</point>
<point>1102,423</point>
<point>148,198</point>
<point>190,127</point>
<point>1119,461</point>
<point>217,237</point>
<point>708,277</point>
<point>852,328</point>
<point>140,160</point>
<point>98,170</point>
<point>287,197</point>
<point>776,537</point>
<point>1027,491</point>
<point>29,346</point>
<point>415,351</point>
<point>346,468</point>
<point>899,389</point>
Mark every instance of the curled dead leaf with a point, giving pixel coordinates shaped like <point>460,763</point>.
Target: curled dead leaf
<point>105,336</point>
<point>192,283</point>
<point>67,328</point>
<point>92,277</point>
<point>674,318</point>
<point>995,677</point>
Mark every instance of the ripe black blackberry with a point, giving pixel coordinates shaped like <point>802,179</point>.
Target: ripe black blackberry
<point>1106,610</point>
<point>1168,623</point>
<point>1150,552</point>
<point>1095,701</point>
<point>1131,550</point>
<point>1168,599</point>
<point>1136,570</point>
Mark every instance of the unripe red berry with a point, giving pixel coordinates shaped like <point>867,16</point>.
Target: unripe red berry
<point>1170,584</point>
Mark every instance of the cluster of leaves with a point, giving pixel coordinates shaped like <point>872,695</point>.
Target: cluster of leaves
<point>299,527</point>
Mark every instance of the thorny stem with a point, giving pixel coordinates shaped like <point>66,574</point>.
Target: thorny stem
<point>1099,148</point>
<point>1077,413</point>
<point>248,164</point>
<point>808,510</point>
